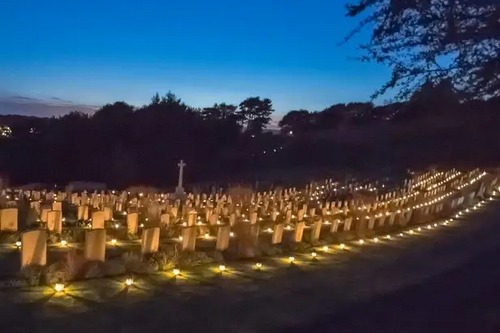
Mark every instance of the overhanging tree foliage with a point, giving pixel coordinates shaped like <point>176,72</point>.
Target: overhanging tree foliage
<point>431,40</point>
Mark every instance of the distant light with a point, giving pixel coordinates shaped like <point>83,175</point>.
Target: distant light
<point>291,259</point>
<point>314,254</point>
<point>129,282</point>
<point>18,243</point>
<point>342,246</point>
<point>207,236</point>
<point>258,266</point>
<point>181,238</point>
<point>141,225</point>
<point>113,241</point>
<point>117,225</point>
<point>222,268</point>
<point>375,240</point>
<point>176,271</point>
<point>231,234</point>
<point>325,248</point>
<point>64,243</point>
<point>361,242</point>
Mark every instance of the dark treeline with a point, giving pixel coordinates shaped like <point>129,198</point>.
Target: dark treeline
<point>122,145</point>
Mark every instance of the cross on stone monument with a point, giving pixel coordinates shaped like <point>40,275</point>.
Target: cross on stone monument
<point>179,190</point>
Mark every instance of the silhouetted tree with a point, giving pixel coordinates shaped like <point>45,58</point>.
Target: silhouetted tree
<point>255,113</point>
<point>296,121</point>
<point>431,40</point>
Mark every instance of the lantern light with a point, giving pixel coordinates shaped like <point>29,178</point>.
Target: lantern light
<point>59,287</point>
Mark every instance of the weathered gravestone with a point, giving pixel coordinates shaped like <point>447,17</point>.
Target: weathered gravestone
<point>277,233</point>
<point>34,248</point>
<point>188,239</point>
<point>108,213</point>
<point>165,220</point>
<point>57,205</point>
<point>392,217</point>
<point>98,219</point>
<point>371,222</point>
<point>316,231</point>
<point>247,241</point>
<point>360,227</point>
<point>347,224</point>
<point>299,232</point>
<point>150,240</point>
<point>54,221</point>
<point>223,235</point>
<point>132,223</point>
<point>95,245</point>
<point>8,219</point>
<point>335,226</point>
<point>43,216</point>
<point>83,213</point>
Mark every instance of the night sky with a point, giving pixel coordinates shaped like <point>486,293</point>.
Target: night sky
<point>60,54</point>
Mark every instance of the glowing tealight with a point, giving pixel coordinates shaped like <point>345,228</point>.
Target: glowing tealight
<point>222,268</point>
<point>64,243</point>
<point>18,244</point>
<point>325,248</point>
<point>181,238</point>
<point>411,232</point>
<point>129,282</point>
<point>176,271</point>
<point>291,259</point>
<point>375,240</point>
<point>207,236</point>
<point>342,246</point>
<point>258,265</point>
<point>141,225</point>
<point>419,229</point>
<point>435,224</point>
<point>429,227</point>
<point>117,225</point>
<point>388,236</point>
<point>59,287</point>
<point>113,241</point>
<point>231,234</point>
<point>269,230</point>
<point>361,242</point>
<point>314,254</point>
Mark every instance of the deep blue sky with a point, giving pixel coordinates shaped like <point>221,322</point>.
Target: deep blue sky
<point>205,51</point>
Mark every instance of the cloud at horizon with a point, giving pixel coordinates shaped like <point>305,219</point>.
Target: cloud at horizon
<point>29,106</point>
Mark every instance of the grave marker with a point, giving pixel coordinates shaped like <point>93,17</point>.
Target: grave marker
<point>34,248</point>
<point>150,240</point>
<point>95,245</point>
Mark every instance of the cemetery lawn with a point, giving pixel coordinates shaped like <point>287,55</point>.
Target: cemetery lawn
<point>432,281</point>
